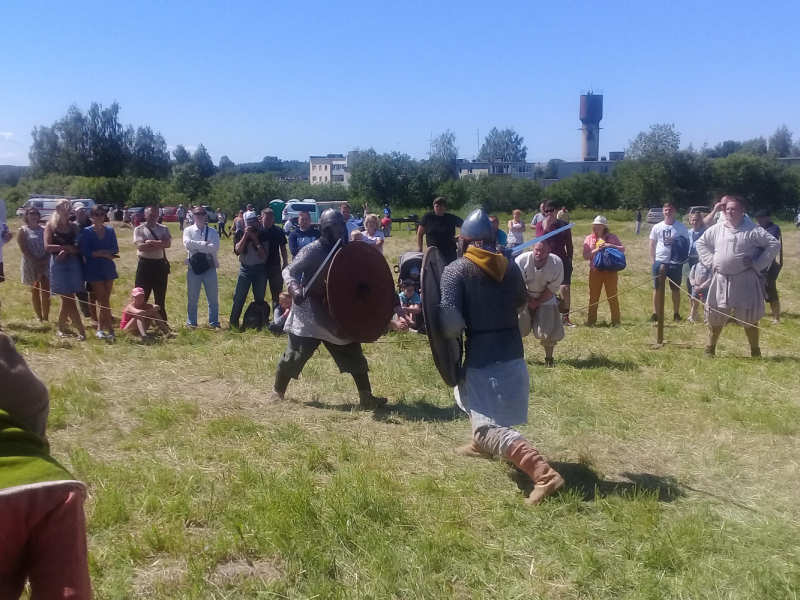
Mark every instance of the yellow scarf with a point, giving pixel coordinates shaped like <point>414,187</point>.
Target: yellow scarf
<point>493,264</point>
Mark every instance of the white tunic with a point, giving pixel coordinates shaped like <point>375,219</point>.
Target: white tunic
<point>549,277</point>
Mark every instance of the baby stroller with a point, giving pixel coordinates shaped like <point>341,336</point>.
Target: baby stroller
<point>410,268</point>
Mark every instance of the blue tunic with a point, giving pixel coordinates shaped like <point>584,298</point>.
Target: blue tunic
<point>99,269</point>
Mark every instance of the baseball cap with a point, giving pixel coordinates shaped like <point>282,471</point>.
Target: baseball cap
<point>600,220</point>
<point>137,291</point>
<point>79,206</point>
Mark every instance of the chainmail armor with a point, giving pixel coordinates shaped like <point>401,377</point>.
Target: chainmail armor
<point>486,309</point>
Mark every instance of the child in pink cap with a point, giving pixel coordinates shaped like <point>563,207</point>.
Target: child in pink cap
<point>139,315</point>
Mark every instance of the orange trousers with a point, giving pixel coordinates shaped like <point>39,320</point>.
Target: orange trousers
<point>598,279</point>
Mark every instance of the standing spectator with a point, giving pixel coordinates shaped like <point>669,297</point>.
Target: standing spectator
<point>386,226</point>
<point>238,222</point>
<point>86,299</point>
<point>222,219</point>
<point>66,267</point>
<point>439,229</point>
<point>500,237</point>
<point>202,245</point>
<point>349,220</point>
<point>540,216</point>
<point>372,235</point>
<point>543,273</point>
<point>160,214</point>
<point>730,249</point>
<point>181,212</point>
<point>42,520</point>
<point>99,248</point>
<point>190,216</point>
<point>516,228</point>
<point>561,246</point>
<point>81,216</point>
<point>638,221</point>
<point>5,236</point>
<point>764,220</point>
<point>387,212</point>
<point>290,225</point>
<point>276,254</point>
<point>663,245</point>
<point>152,272</point>
<point>719,214</point>
<point>563,214</point>
<point>697,229</point>
<point>601,238</point>
<point>252,247</point>
<point>35,265</point>
<point>249,213</point>
<point>304,234</point>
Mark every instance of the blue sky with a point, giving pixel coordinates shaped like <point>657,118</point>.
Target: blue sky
<point>249,79</point>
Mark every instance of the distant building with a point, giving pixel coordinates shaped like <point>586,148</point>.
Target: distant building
<point>578,167</point>
<point>332,168</point>
<point>514,170</point>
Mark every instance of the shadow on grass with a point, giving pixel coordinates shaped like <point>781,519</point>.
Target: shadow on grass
<point>589,486</point>
<point>599,362</point>
<point>32,328</point>
<point>419,410</point>
<point>781,359</point>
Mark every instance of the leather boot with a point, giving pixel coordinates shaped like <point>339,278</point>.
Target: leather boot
<point>546,480</point>
<point>279,388</point>
<point>365,398</point>
<point>473,450</point>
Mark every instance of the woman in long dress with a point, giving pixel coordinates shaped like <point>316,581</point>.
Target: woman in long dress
<point>731,249</point>
<point>35,264</point>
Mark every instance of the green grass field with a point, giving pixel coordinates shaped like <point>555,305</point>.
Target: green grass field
<point>682,473</point>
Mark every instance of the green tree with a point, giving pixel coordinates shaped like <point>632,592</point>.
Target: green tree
<point>149,155</point>
<point>443,147</point>
<point>761,179</point>
<point>202,159</point>
<point>505,146</point>
<point>659,140</point>
<point>724,149</point>
<point>587,190</point>
<point>150,191</point>
<point>186,180</point>
<point>107,151</point>
<point>780,142</point>
<point>181,154</point>
<point>757,146</point>
<point>226,164</point>
<point>551,171</point>
<point>44,152</point>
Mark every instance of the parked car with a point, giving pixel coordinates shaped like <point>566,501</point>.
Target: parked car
<point>293,208</point>
<point>170,214</point>
<point>703,210</point>
<point>655,215</point>
<point>212,214</point>
<point>47,205</point>
<point>129,212</point>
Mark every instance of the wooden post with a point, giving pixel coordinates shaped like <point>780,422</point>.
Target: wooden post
<point>662,284</point>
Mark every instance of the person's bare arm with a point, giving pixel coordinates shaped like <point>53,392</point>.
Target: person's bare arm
<point>23,245</point>
<point>535,303</point>
<point>420,233</point>
<point>652,251</point>
<point>710,219</point>
<point>284,256</point>
<point>570,248</point>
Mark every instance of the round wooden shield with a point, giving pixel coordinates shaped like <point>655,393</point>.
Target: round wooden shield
<point>446,351</point>
<point>361,291</point>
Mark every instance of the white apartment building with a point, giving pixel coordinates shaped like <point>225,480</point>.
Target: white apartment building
<point>332,168</point>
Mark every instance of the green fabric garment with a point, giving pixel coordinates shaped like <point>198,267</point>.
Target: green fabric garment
<point>25,457</point>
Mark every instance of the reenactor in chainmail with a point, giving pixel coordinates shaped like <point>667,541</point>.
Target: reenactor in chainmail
<point>481,295</point>
<point>310,322</point>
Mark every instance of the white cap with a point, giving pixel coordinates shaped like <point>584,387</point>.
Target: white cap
<point>600,220</point>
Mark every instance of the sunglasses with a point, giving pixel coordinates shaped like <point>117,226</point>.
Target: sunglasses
<point>98,214</point>
<point>549,210</point>
<point>200,214</point>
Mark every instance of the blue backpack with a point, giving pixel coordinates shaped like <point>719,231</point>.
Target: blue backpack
<point>609,259</point>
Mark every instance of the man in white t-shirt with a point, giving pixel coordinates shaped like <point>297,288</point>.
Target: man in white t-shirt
<point>349,220</point>
<point>662,240</point>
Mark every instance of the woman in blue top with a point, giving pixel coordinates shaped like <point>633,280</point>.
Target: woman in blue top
<point>99,248</point>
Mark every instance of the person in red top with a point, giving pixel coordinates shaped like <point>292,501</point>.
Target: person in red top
<point>601,238</point>
<point>561,246</point>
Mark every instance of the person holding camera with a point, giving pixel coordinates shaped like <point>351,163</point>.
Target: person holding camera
<point>251,245</point>
<point>202,246</point>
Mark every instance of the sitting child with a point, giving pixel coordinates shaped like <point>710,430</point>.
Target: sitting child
<point>412,304</point>
<point>140,315</point>
<point>356,236</point>
<point>700,280</point>
<point>281,313</point>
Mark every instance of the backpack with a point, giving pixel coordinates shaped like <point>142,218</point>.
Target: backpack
<point>680,250</point>
<point>609,259</point>
<point>256,316</point>
<point>199,261</point>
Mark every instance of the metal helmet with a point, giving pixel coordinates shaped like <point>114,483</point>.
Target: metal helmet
<point>329,218</point>
<point>477,226</point>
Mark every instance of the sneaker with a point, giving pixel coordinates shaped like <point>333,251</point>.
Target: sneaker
<point>111,337</point>
<point>101,335</point>
<point>776,322</point>
<point>567,322</point>
<point>654,318</point>
<point>677,318</point>
<point>549,362</point>
<point>61,334</point>
<point>81,337</point>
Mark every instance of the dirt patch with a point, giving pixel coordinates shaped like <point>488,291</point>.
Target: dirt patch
<point>236,571</point>
<point>166,572</point>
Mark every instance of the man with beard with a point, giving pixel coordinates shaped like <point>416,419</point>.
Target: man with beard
<point>311,323</point>
<point>481,294</point>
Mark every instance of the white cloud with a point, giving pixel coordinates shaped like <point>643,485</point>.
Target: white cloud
<point>7,136</point>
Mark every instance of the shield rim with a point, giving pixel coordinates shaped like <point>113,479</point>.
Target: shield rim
<point>378,330</point>
<point>449,369</point>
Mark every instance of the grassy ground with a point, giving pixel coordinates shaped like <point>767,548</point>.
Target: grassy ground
<point>682,475</point>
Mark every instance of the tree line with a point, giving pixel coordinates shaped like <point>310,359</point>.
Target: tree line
<point>92,155</point>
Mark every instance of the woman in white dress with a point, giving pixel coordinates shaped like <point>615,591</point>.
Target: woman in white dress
<point>737,251</point>
<point>516,229</point>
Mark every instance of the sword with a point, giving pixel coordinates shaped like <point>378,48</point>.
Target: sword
<point>322,266</point>
<point>529,243</point>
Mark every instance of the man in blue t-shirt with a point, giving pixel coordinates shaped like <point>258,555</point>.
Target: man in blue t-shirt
<point>304,234</point>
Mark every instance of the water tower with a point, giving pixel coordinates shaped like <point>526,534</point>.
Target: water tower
<point>591,114</point>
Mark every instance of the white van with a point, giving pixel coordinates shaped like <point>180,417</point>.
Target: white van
<point>47,205</point>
